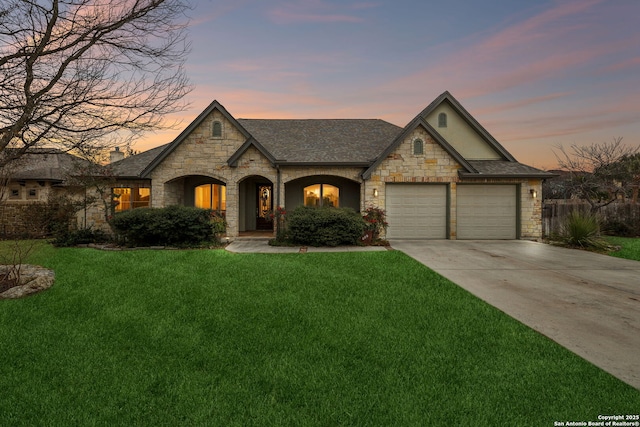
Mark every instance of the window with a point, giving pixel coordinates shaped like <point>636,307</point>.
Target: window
<point>126,198</point>
<point>32,193</point>
<point>442,120</point>
<point>216,131</point>
<point>418,147</point>
<point>211,196</point>
<point>322,195</point>
<point>15,193</point>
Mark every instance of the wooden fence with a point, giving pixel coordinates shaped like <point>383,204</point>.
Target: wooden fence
<point>616,218</point>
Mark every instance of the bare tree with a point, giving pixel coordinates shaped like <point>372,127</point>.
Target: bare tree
<point>79,74</point>
<point>600,173</point>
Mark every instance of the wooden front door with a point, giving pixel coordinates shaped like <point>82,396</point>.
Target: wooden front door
<point>264,221</point>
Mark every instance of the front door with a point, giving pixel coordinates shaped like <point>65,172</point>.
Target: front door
<point>264,221</point>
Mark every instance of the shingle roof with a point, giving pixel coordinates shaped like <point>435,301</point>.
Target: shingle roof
<point>46,165</point>
<point>133,166</point>
<point>504,168</point>
<point>361,142</point>
<point>323,140</point>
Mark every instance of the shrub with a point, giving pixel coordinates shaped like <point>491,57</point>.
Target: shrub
<point>376,219</point>
<point>82,236</point>
<point>54,218</point>
<point>616,227</point>
<point>581,229</point>
<point>325,226</point>
<point>172,226</point>
<point>218,225</point>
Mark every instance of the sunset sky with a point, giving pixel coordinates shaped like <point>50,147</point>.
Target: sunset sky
<point>536,74</point>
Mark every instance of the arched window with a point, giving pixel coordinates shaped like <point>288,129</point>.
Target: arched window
<point>418,147</point>
<point>322,195</point>
<point>217,130</point>
<point>442,120</point>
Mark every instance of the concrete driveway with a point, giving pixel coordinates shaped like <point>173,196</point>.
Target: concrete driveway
<point>586,302</point>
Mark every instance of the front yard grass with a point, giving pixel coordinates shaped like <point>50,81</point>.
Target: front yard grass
<point>629,247</point>
<point>212,338</point>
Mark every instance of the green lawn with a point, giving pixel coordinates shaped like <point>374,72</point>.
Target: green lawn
<point>212,338</point>
<point>629,247</point>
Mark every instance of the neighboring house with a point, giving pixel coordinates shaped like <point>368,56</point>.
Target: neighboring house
<point>34,177</point>
<point>442,176</point>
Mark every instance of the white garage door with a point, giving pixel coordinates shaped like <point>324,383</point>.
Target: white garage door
<point>416,211</point>
<point>486,211</point>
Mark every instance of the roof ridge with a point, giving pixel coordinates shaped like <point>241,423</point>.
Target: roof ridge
<point>335,119</point>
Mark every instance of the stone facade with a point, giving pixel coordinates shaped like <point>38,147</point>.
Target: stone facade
<point>209,153</point>
<point>435,165</point>
<point>16,214</point>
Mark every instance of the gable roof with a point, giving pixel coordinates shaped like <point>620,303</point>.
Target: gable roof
<point>47,164</point>
<point>471,121</point>
<point>341,142</point>
<point>322,141</point>
<point>215,105</point>
<point>415,123</point>
<point>251,142</point>
<point>133,166</point>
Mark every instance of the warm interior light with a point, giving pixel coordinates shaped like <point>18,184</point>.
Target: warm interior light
<point>375,192</point>
<point>534,193</point>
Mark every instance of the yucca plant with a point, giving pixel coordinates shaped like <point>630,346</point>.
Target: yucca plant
<point>581,229</point>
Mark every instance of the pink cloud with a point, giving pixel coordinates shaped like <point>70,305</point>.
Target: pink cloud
<point>280,16</point>
<point>221,8</point>
<point>537,27</point>
<point>316,11</point>
<point>510,106</point>
<point>621,66</point>
<point>548,45</point>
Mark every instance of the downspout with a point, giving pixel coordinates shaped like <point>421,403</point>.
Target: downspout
<point>278,222</point>
<point>278,186</point>
<point>363,194</point>
<point>85,207</point>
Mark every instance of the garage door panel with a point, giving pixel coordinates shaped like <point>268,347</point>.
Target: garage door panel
<point>486,211</point>
<point>416,211</point>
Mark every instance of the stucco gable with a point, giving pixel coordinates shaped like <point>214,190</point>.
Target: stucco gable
<point>463,131</point>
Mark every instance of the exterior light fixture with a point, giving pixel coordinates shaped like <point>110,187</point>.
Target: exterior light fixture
<point>375,192</point>
<point>534,193</point>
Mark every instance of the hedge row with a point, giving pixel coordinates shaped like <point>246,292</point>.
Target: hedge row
<point>170,226</point>
<point>325,226</point>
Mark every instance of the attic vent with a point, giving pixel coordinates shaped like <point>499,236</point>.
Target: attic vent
<point>418,147</point>
<point>442,120</point>
<point>216,131</point>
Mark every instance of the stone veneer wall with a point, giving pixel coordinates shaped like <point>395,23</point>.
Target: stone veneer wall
<point>435,165</point>
<point>13,219</point>
<point>16,220</point>
<point>202,154</point>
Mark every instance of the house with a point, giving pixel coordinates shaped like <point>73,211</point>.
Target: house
<point>442,176</point>
<point>34,177</point>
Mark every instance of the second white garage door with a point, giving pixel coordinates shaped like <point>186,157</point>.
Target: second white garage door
<point>416,211</point>
<point>486,211</point>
